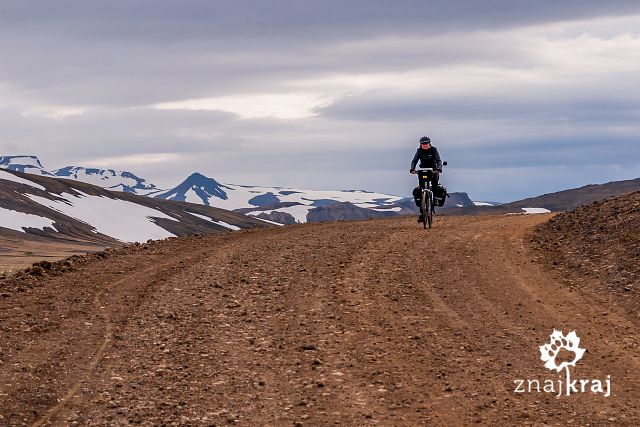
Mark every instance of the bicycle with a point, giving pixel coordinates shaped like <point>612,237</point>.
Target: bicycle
<point>427,199</point>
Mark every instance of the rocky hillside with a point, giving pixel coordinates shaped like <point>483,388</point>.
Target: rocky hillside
<point>63,210</point>
<point>560,201</point>
<point>597,245</point>
<point>571,199</point>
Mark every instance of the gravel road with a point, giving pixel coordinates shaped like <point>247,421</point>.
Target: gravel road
<point>353,323</point>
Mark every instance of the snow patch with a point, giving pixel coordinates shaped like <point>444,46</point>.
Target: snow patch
<point>482,204</point>
<point>396,209</point>
<point>222,223</point>
<point>227,225</point>
<point>19,220</point>
<point>266,220</point>
<point>535,210</point>
<point>206,218</point>
<point>298,212</point>
<point>192,197</point>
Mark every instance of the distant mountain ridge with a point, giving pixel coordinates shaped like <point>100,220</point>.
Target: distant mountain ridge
<point>24,164</point>
<point>284,205</point>
<point>570,199</point>
<point>278,204</point>
<point>559,201</point>
<point>269,203</point>
<point>52,208</point>
<point>105,178</point>
<point>108,178</point>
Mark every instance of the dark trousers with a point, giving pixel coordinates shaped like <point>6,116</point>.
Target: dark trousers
<point>417,192</point>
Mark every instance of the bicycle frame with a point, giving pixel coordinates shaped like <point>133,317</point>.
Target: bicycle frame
<point>424,177</point>
<point>427,199</point>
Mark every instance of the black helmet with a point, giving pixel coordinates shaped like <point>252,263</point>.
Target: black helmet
<point>425,140</point>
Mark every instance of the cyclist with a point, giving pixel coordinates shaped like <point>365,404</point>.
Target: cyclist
<point>429,158</point>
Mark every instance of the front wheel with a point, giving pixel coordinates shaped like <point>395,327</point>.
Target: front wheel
<point>424,207</point>
<point>429,211</point>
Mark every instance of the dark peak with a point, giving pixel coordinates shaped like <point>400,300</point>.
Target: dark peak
<point>203,186</point>
<point>198,179</point>
<point>197,176</point>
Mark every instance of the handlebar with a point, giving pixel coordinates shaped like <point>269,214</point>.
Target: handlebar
<point>425,170</point>
<point>429,169</point>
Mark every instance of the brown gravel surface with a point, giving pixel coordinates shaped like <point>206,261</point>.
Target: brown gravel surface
<point>363,323</point>
<point>18,254</point>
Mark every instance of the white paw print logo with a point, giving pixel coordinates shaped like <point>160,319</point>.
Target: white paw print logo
<point>570,342</point>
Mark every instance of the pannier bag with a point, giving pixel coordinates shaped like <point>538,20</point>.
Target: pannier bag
<point>441,195</point>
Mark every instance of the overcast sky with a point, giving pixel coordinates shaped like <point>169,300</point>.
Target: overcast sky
<point>520,97</point>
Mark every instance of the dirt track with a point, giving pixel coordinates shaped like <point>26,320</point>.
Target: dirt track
<point>364,323</point>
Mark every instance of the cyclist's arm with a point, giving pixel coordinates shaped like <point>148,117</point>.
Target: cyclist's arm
<point>437,159</point>
<point>416,157</point>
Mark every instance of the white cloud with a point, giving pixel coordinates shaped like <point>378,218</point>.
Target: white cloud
<point>134,160</point>
<point>259,105</point>
<point>56,113</point>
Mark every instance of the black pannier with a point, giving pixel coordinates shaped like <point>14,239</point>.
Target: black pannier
<point>441,195</point>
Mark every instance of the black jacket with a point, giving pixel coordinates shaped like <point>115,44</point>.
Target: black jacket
<point>429,158</point>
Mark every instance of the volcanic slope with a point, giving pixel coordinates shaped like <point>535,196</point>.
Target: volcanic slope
<point>598,246</point>
<point>50,218</point>
<point>362,323</point>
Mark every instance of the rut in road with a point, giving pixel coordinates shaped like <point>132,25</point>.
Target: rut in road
<point>362,323</point>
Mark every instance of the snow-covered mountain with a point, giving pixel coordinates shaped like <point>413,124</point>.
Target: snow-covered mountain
<point>196,189</point>
<point>56,209</point>
<point>25,164</point>
<point>108,178</point>
<point>275,203</point>
<point>288,205</point>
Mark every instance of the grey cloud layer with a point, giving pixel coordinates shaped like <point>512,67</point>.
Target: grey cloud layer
<point>239,19</point>
<point>115,59</point>
<point>133,52</point>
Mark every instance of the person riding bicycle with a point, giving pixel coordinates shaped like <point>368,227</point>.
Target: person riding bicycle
<point>429,158</point>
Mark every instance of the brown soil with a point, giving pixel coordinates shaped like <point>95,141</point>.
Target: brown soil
<point>19,254</point>
<point>362,323</point>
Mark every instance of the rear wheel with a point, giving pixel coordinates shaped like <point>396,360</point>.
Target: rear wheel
<point>424,207</point>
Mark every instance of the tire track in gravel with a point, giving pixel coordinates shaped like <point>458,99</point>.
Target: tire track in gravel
<point>102,307</point>
<point>95,359</point>
<point>534,300</point>
<point>73,324</point>
<point>394,289</point>
<point>146,286</point>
